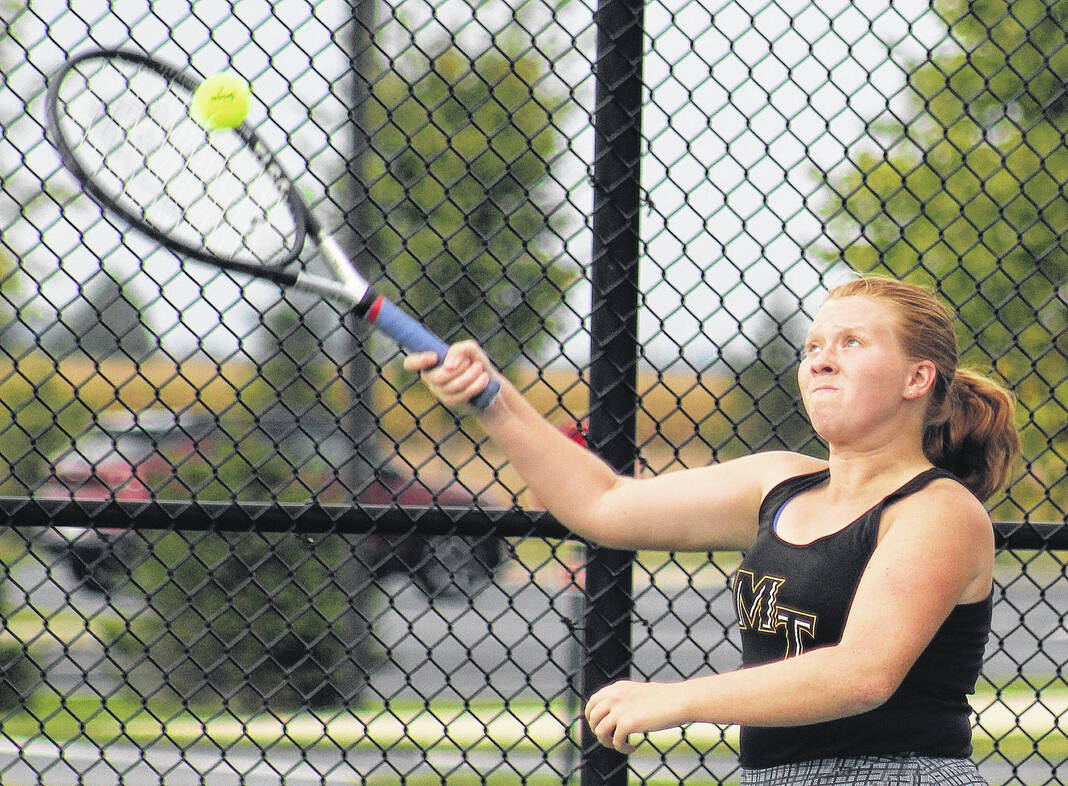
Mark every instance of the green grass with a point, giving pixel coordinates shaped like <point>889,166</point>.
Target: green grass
<point>1017,746</point>
<point>521,726</point>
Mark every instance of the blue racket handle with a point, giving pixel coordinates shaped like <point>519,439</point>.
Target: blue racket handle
<point>414,337</point>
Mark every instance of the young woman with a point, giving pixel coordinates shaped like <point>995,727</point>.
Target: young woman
<point>864,596</point>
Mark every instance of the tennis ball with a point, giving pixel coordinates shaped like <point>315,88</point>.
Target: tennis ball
<point>221,101</point>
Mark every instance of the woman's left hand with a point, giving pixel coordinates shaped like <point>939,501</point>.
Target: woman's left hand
<point>623,708</point>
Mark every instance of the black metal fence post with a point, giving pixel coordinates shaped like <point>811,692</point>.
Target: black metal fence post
<point>614,356</point>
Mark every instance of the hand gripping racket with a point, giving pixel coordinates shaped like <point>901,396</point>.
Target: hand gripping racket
<point>122,124</point>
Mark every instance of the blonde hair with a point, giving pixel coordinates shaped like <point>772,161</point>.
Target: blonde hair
<point>969,428</point>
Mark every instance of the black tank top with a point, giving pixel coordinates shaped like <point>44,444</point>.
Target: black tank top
<point>792,598</point>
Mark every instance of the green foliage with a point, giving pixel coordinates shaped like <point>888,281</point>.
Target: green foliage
<point>461,215</point>
<point>19,673</point>
<point>37,415</point>
<point>253,621</point>
<point>967,194</point>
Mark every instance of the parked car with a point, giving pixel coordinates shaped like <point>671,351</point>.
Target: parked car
<point>155,454</point>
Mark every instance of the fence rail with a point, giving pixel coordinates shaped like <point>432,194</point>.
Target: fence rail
<point>313,518</point>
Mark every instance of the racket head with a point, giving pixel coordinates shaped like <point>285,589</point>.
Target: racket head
<point>121,122</point>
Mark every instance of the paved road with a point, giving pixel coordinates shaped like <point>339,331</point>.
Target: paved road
<point>517,640</point>
<point>42,763</point>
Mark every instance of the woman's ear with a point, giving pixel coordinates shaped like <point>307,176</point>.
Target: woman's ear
<point>921,381</point>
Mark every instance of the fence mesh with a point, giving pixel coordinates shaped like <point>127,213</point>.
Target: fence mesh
<point>449,145</point>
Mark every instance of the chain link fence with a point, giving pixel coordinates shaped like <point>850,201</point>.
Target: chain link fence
<point>245,547</point>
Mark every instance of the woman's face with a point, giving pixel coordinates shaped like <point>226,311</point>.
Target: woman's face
<point>854,376</point>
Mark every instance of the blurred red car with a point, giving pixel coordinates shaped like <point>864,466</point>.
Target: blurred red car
<point>154,453</point>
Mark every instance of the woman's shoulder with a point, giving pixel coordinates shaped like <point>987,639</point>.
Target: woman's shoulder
<point>780,465</point>
<point>944,521</point>
<point>936,487</point>
<point>771,468</point>
<point>942,499</point>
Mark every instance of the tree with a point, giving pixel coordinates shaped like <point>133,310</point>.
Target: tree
<point>460,215</point>
<point>253,620</point>
<point>965,191</point>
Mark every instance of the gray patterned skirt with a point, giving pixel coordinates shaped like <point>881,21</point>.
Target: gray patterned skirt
<point>869,771</point>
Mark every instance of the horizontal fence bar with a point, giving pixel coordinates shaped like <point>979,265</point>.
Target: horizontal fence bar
<point>277,517</point>
<point>351,519</point>
<point>1023,536</point>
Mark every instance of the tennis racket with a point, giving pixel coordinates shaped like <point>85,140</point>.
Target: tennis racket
<point>122,124</point>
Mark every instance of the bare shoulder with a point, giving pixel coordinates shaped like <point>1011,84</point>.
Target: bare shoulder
<point>779,465</point>
<point>761,472</point>
<point>945,501</point>
<point>945,521</point>
<point>945,536</point>
<point>705,508</point>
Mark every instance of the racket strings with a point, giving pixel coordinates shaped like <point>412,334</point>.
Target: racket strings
<point>131,130</point>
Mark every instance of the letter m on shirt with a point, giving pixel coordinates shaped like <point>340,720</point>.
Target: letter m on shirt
<point>757,601</point>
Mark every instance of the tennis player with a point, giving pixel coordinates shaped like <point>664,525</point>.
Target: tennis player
<point>864,596</point>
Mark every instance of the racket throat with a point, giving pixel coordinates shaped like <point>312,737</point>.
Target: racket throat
<point>369,306</point>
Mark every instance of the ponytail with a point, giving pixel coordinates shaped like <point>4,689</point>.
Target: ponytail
<point>972,434</point>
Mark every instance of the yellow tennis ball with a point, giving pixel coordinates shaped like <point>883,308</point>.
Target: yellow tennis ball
<point>221,101</point>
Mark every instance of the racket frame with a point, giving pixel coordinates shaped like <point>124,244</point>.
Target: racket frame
<point>348,286</point>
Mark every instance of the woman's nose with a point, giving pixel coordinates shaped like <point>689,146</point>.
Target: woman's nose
<point>823,361</point>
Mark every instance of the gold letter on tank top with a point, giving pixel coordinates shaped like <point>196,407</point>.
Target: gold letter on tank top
<point>798,625</point>
<point>756,601</point>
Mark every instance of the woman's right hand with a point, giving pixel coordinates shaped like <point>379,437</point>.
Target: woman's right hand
<point>462,374</point>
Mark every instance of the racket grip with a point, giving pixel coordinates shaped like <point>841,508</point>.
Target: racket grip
<point>414,337</point>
